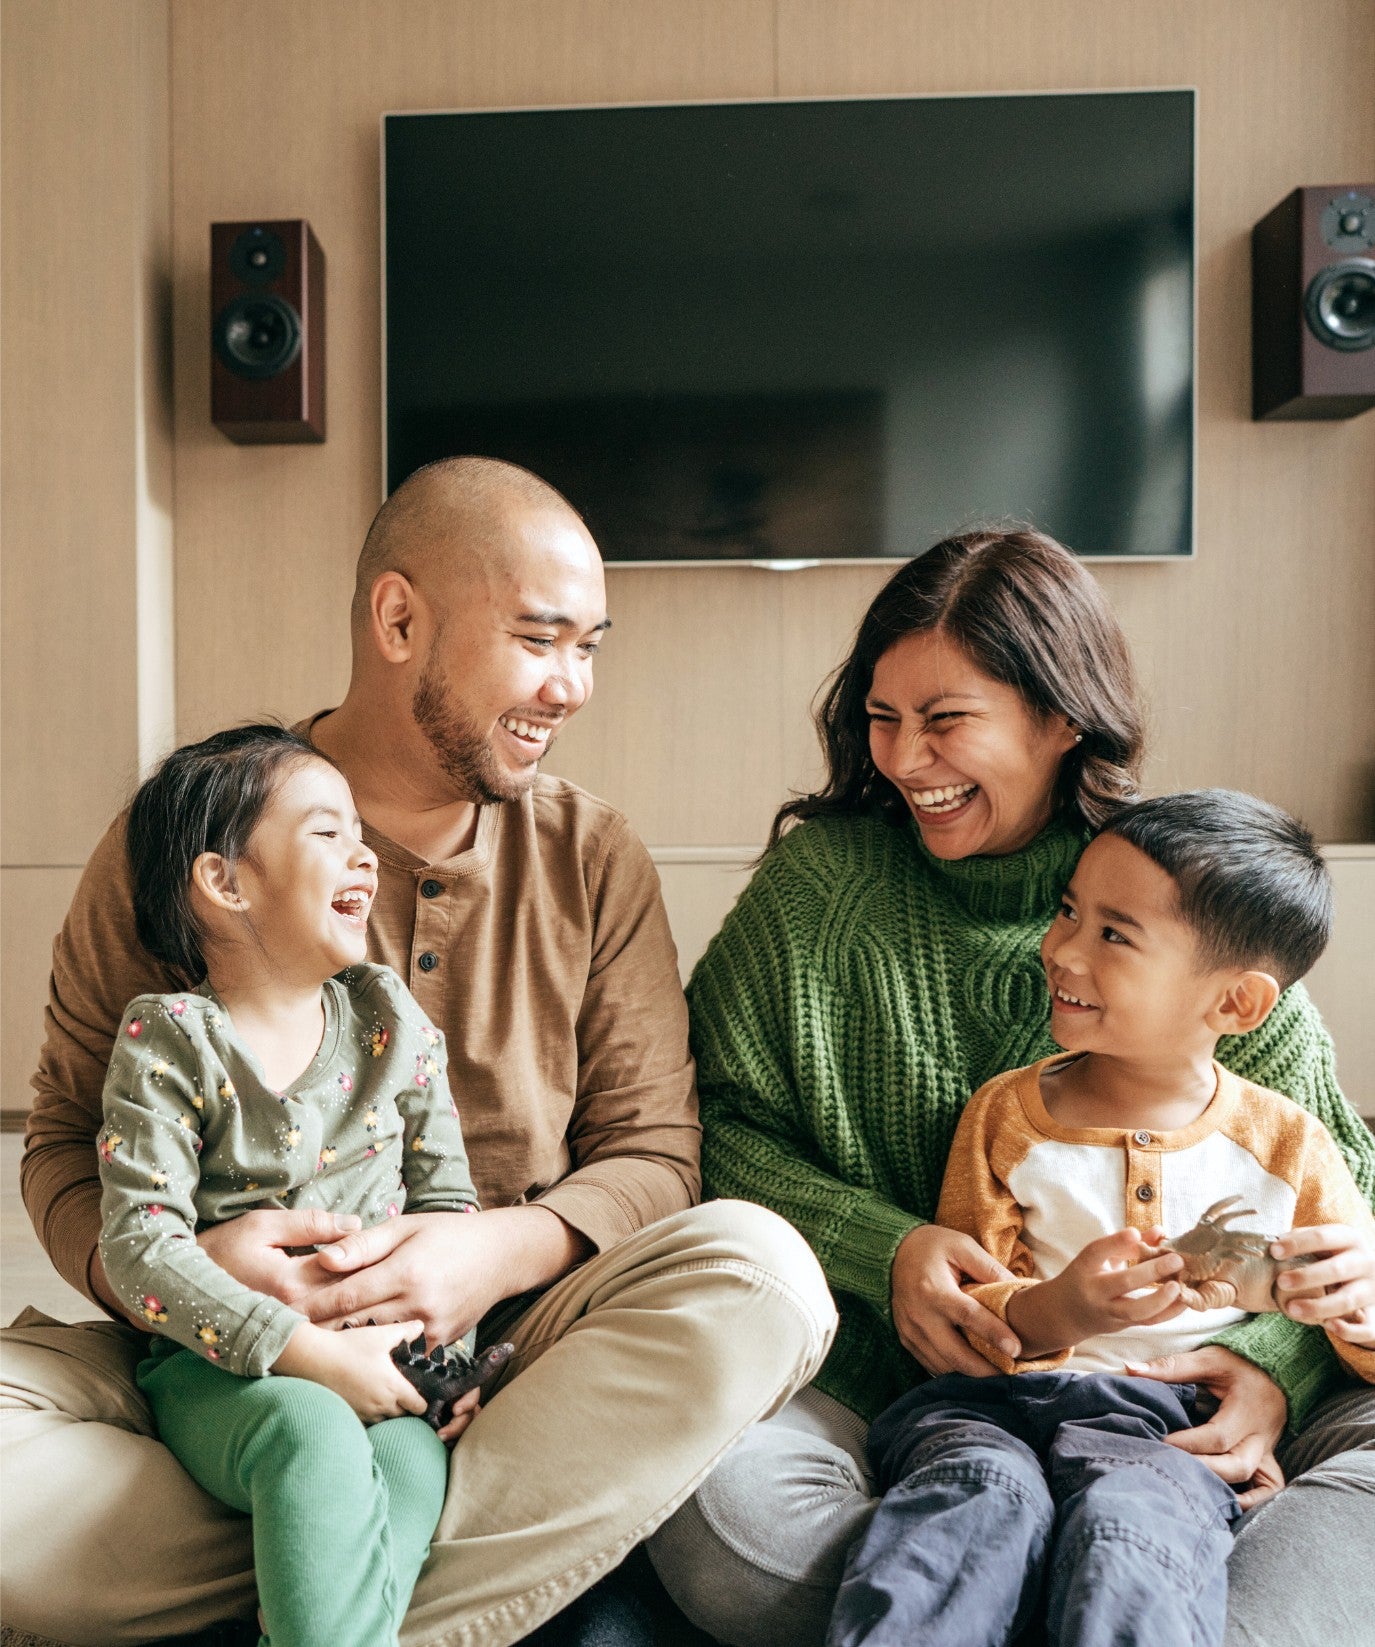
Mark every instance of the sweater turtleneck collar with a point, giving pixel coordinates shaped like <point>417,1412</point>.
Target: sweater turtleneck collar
<point>1017,886</point>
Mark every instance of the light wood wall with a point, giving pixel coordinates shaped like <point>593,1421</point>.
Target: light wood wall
<point>86,472</point>
<point>1258,655</point>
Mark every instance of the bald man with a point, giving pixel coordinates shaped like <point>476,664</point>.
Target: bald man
<point>526,918</point>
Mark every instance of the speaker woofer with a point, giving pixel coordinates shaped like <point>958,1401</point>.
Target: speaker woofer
<point>1339,304</point>
<point>258,336</point>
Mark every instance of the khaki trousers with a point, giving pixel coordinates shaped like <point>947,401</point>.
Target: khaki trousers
<point>631,1378</point>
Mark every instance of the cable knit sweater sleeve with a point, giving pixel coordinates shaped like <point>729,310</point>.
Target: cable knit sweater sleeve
<point>854,998</point>
<point>1292,1053</point>
<point>763,1010</point>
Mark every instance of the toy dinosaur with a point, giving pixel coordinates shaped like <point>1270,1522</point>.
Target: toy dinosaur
<point>443,1375</point>
<point>1226,1268</point>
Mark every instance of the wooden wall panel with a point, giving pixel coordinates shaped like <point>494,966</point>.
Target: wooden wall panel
<point>35,900</point>
<point>86,479</point>
<point>71,202</point>
<point>1257,656</point>
<point>267,537</point>
<point>1343,982</point>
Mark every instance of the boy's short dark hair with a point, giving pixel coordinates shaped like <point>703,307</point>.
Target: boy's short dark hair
<point>205,797</point>
<point>1252,884</point>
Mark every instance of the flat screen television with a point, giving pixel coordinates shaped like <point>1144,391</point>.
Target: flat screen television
<point>791,332</point>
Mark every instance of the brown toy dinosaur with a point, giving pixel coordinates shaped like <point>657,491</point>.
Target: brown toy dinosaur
<point>1230,1269</point>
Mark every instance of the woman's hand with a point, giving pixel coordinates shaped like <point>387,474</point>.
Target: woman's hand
<point>930,1312</point>
<point>1343,1279</point>
<point>1238,1441</point>
<point>356,1365</point>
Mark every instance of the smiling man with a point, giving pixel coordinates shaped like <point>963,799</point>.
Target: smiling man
<point>526,918</point>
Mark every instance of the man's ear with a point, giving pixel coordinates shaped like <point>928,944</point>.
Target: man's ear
<point>393,608</point>
<point>212,875</point>
<point>1244,1004</point>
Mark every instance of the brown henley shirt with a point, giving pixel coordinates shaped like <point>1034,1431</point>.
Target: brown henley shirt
<point>543,953</point>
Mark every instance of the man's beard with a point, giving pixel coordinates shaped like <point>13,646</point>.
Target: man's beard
<point>462,752</point>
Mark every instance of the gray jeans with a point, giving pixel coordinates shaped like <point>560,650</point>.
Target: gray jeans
<point>756,1556</point>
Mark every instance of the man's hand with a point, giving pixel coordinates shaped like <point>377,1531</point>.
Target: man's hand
<point>461,1415</point>
<point>1238,1441</point>
<point>1115,1282</point>
<point>271,1251</point>
<point>446,1269</point>
<point>930,1312</point>
<point>356,1365</point>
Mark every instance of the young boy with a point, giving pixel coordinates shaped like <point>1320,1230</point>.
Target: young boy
<point>1183,922</point>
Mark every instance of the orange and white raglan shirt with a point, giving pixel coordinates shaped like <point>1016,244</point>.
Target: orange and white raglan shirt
<point>1034,1193</point>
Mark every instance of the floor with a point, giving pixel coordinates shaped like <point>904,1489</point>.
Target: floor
<point>26,1276</point>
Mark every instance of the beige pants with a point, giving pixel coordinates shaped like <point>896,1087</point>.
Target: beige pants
<point>631,1377</point>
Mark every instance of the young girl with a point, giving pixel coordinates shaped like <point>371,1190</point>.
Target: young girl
<point>295,1075</point>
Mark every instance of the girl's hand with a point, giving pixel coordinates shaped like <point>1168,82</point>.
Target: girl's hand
<point>930,1312</point>
<point>1343,1278</point>
<point>356,1365</point>
<point>273,1251</point>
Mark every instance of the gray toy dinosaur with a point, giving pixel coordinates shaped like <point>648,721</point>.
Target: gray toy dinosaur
<point>441,1375</point>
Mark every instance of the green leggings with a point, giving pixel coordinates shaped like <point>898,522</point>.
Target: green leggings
<point>342,1513</point>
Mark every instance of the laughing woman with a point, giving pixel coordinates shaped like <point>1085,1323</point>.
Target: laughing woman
<point>881,966</point>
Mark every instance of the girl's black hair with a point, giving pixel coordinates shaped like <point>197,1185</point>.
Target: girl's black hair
<point>1025,611</point>
<point>205,797</point>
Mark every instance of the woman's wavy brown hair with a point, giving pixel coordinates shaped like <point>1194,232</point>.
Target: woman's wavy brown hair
<point>1027,613</point>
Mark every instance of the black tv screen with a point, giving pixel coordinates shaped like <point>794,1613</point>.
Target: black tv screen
<point>790,332</point>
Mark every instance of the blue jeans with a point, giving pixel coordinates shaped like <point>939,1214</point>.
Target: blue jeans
<point>994,1488</point>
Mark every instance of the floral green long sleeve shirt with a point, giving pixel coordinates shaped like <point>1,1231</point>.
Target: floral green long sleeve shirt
<point>193,1136</point>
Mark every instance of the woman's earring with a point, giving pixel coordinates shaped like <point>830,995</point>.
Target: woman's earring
<point>1078,737</point>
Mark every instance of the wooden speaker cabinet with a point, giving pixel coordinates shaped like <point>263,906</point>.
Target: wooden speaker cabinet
<point>1313,305</point>
<point>267,303</point>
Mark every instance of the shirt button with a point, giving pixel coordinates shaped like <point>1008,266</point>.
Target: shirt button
<point>1142,1138</point>
<point>431,889</point>
<point>1144,1192</point>
<point>428,961</point>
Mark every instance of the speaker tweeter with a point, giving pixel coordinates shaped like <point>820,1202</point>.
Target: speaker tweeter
<point>267,300</point>
<point>1313,305</point>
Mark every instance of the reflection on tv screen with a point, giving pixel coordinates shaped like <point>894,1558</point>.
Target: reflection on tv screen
<point>805,331</point>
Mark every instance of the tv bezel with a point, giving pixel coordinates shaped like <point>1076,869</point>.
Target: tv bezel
<point>1189,555</point>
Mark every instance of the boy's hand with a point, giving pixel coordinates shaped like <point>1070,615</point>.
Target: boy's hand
<point>1337,1293</point>
<point>1117,1281</point>
<point>358,1366</point>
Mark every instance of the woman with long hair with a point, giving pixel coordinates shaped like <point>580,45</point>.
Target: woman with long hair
<point>881,966</point>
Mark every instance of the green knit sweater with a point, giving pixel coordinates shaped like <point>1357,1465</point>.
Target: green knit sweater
<point>858,994</point>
